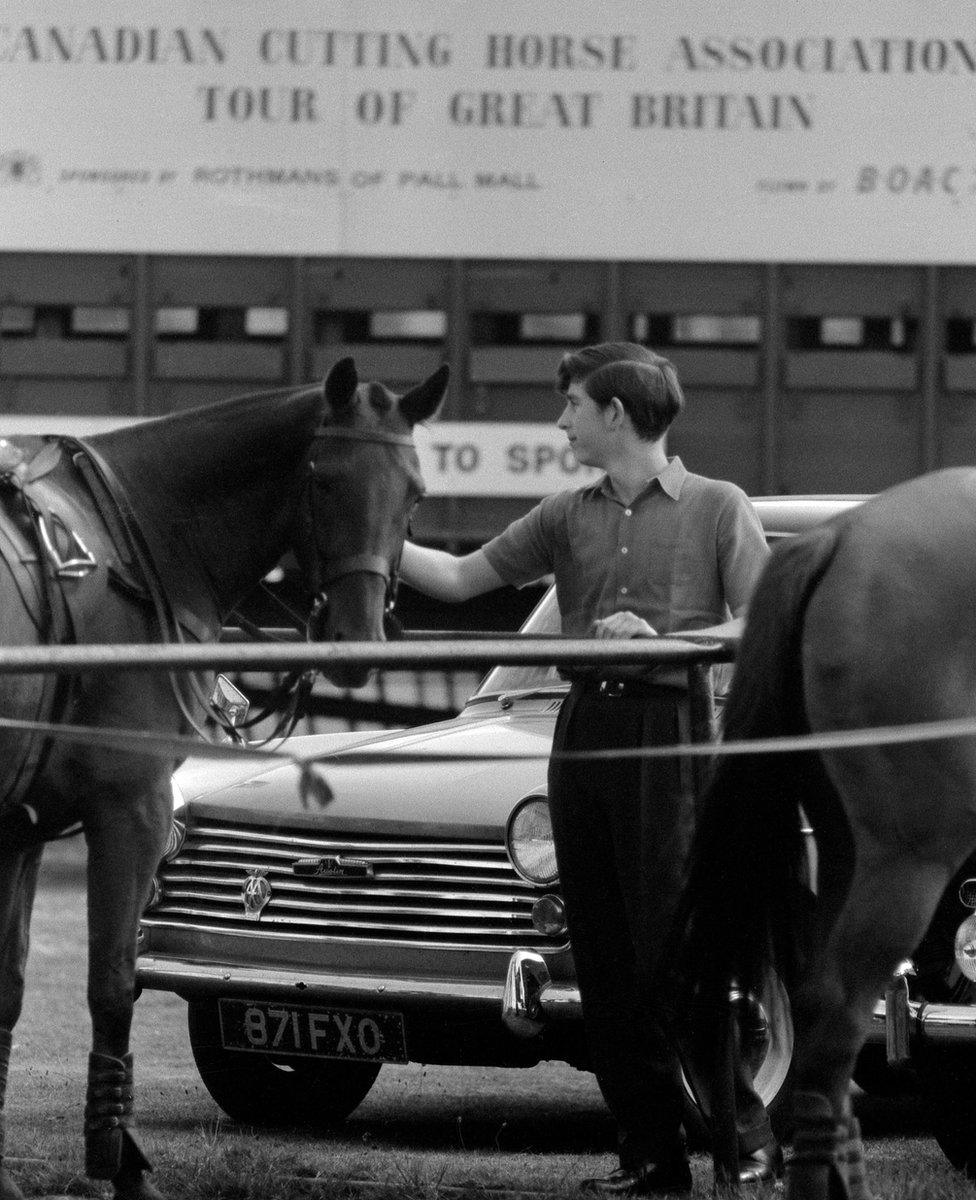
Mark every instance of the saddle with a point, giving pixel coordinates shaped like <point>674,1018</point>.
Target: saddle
<point>34,541</point>
<point>66,535</point>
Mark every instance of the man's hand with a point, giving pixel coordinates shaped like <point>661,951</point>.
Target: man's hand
<point>623,625</point>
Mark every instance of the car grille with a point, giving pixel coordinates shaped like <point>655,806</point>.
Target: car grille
<point>456,894</point>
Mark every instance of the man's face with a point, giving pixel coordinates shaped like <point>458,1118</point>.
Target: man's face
<point>585,425</point>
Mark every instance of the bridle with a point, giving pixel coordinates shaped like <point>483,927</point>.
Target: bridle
<point>371,564</point>
<point>289,697</point>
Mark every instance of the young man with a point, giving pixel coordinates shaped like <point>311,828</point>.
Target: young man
<point>648,549</point>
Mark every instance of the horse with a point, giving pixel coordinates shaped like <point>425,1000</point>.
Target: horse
<point>865,622</point>
<point>144,534</point>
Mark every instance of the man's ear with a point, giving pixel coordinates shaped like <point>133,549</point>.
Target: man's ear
<point>616,413</point>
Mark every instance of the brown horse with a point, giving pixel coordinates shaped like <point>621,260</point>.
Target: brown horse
<point>866,622</point>
<point>144,534</point>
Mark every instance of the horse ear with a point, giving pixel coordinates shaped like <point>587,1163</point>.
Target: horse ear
<point>423,401</point>
<point>341,383</point>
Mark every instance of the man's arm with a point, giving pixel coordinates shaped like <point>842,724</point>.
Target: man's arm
<point>444,576</point>
<point>629,625</point>
<point>728,629</point>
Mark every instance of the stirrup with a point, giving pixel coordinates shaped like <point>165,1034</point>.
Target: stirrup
<point>109,1118</point>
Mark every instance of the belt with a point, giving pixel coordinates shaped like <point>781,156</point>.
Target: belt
<point>616,688</point>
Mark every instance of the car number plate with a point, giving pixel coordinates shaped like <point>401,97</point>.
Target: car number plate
<point>312,1032</point>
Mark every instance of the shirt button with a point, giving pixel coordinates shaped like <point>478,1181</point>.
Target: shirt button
<point>623,549</point>
<point>628,512</point>
<point>623,591</point>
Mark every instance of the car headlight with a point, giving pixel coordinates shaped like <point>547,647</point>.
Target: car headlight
<point>177,829</point>
<point>965,947</point>
<point>528,840</point>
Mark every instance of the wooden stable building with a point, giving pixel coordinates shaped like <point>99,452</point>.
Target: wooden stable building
<point>799,378</point>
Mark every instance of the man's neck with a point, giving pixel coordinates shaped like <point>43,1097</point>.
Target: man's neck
<point>634,471</point>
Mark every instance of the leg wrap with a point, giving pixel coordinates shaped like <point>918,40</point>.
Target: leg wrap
<point>818,1167</point>
<point>109,1118</point>
<point>857,1183</point>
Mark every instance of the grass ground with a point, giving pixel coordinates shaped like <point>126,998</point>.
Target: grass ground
<point>424,1133</point>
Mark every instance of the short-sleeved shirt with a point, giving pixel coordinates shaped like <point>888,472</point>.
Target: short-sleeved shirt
<point>683,555</point>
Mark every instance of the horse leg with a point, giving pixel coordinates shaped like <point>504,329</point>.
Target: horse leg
<point>18,883</point>
<point>125,840</point>
<point>832,1010</point>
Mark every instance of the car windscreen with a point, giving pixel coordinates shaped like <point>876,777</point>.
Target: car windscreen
<point>543,621</point>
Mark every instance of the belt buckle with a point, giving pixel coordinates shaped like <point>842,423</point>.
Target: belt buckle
<point>612,687</point>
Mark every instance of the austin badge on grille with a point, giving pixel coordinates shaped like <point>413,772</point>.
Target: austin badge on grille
<point>256,893</point>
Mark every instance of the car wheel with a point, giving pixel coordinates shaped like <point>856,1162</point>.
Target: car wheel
<point>948,1077</point>
<point>765,1025</point>
<point>259,1089</point>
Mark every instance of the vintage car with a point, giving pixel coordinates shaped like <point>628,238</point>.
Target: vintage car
<point>417,916</point>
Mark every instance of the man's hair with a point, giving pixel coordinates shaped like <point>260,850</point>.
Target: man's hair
<point>644,382</point>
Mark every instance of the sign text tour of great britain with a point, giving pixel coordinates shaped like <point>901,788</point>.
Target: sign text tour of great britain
<point>430,128</point>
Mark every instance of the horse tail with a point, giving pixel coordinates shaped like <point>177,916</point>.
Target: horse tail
<point>742,911</point>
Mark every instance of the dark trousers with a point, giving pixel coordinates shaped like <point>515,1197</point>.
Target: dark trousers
<point>622,830</point>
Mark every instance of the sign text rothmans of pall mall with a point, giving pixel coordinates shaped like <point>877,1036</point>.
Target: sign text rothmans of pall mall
<point>431,128</point>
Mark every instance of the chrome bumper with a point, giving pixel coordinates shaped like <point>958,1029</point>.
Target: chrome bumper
<point>199,980</point>
<point>528,1001</point>
<point>531,998</point>
<point>943,1023</point>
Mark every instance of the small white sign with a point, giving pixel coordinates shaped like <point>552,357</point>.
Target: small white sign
<point>497,458</point>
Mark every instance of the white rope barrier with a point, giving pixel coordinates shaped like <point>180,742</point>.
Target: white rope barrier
<point>516,650</point>
<point>160,745</point>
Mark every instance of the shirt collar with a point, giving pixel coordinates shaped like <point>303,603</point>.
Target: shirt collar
<point>671,480</point>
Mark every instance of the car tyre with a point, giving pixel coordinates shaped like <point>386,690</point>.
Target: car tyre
<point>258,1089</point>
<point>766,1040</point>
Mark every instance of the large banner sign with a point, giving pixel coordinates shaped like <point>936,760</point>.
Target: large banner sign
<point>620,129</point>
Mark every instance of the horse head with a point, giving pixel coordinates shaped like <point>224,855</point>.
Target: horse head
<point>364,481</point>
